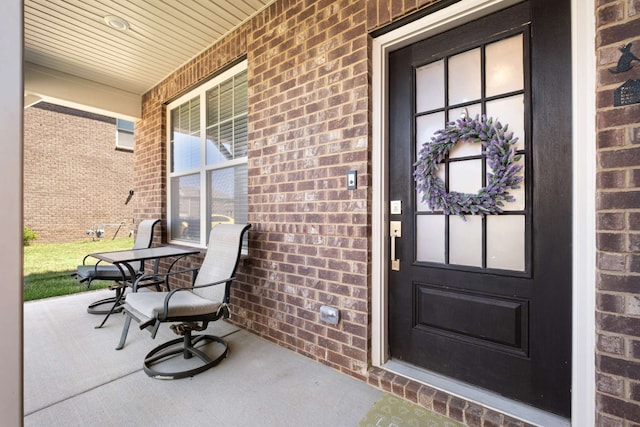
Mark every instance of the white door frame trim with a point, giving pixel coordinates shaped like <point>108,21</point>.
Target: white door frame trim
<point>583,194</point>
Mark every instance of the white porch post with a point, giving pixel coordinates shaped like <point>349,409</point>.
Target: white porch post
<point>583,28</point>
<point>11,100</point>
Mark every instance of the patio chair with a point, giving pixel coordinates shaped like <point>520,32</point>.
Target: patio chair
<point>89,273</point>
<point>190,308</point>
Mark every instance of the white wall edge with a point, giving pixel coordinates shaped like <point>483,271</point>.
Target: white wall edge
<point>11,109</point>
<point>379,217</point>
<point>584,223</point>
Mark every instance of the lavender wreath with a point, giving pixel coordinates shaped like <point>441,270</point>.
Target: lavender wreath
<point>497,147</point>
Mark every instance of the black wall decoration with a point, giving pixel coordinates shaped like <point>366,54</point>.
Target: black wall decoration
<point>629,92</point>
<point>625,63</point>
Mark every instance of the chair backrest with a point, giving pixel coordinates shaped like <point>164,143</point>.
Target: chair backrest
<point>221,260</point>
<point>144,238</point>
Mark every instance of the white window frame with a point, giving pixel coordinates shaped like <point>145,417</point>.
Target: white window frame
<point>203,169</point>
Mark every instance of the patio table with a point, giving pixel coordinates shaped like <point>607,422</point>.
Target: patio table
<point>123,259</point>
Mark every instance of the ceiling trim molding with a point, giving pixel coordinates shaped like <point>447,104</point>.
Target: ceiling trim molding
<point>82,94</point>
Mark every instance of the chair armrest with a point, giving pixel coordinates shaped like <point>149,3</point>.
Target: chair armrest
<point>174,262</point>
<point>163,316</point>
<point>165,276</point>
<point>84,260</point>
<point>95,267</point>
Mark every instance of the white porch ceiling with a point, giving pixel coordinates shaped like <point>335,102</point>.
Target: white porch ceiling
<point>69,48</point>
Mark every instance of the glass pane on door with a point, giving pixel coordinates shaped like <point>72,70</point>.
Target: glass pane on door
<point>464,77</point>
<point>430,238</point>
<point>465,176</point>
<point>497,91</point>
<point>430,86</point>
<point>504,66</point>
<point>505,242</point>
<point>465,241</point>
<point>509,111</point>
<point>518,194</point>
<point>465,148</point>
<point>426,127</point>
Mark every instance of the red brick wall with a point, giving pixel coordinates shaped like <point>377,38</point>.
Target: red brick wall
<point>74,177</point>
<point>618,221</point>
<point>309,70</point>
<point>308,118</point>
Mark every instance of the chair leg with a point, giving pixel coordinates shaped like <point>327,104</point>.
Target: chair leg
<point>188,350</point>
<point>116,307</point>
<point>125,331</point>
<point>93,307</point>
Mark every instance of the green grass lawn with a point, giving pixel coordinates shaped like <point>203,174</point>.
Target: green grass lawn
<point>48,266</point>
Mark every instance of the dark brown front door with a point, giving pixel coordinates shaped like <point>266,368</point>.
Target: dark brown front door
<point>487,300</point>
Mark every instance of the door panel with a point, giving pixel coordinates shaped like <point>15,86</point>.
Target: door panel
<point>487,300</point>
<point>487,320</point>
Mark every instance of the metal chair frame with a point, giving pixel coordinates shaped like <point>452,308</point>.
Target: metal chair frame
<point>223,239</point>
<point>120,277</point>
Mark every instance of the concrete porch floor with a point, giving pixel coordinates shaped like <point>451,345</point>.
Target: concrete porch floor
<point>73,376</point>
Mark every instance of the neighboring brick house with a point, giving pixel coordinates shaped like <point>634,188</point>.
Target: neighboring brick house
<point>75,179</point>
<point>314,113</point>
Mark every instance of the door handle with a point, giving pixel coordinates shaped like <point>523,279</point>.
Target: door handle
<point>395,230</point>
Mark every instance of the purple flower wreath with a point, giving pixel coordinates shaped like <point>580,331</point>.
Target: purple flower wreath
<point>497,147</point>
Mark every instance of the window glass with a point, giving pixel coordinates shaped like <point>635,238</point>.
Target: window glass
<point>124,134</point>
<point>185,208</point>
<point>185,136</point>
<point>227,120</point>
<point>208,156</point>
<point>228,195</point>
